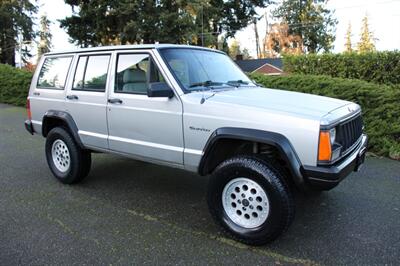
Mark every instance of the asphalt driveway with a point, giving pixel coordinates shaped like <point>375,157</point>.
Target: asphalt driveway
<point>129,212</point>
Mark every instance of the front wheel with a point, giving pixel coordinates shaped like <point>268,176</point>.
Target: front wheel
<point>249,198</point>
<point>68,163</point>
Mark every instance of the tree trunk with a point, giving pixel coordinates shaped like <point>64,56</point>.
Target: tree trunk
<point>8,52</point>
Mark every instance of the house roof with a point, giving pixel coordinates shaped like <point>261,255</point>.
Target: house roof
<point>251,65</point>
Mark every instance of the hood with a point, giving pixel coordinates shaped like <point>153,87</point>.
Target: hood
<point>301,104</point>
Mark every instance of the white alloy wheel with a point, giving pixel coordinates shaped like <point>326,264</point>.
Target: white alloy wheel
<point>60,155</point>
<point>245,202</point>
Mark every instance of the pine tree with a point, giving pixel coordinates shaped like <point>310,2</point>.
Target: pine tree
<point>16,26</point>
<point>348,45</point>
<point>198,22</point>
<point>45,36</point>
<point>311,20</point>
<point>234,49</point>
<point>223,44</point>
<point>367,41</point>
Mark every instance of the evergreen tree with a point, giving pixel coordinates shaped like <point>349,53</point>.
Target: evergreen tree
<point>234,49</point>
<point>367,41</point>
<point>310,20</point>
<point>105,22</point>
<point>223,44</point>
<point>216,17</point>
<point>16,20</point>
<point>97,22</point>
<point>246,53</point>
<point>45,36</point>
<point>348,45</point>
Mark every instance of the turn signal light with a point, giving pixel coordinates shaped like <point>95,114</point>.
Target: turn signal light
<point>324,148</point>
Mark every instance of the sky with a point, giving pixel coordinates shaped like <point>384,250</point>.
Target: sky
<point>383,15</point>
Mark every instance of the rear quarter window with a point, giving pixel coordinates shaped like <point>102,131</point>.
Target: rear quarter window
<point>53,73</point>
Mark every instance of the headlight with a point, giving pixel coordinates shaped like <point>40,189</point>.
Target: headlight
<point>332,134</point>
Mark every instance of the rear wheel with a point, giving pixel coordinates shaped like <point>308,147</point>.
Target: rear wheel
<point>249,198</point>
<point>68,163</point>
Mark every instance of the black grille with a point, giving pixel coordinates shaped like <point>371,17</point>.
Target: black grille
<point>349,132</point>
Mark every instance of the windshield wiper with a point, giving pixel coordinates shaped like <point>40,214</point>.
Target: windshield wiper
<point>207,83</point>
<point>237,83</point>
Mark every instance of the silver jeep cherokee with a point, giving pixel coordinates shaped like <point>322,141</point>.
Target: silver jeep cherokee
<point>193,108</point>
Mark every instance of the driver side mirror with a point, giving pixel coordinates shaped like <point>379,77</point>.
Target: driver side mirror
<point>159,89</point>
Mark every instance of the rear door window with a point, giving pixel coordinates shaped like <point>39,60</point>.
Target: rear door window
<point>91,73</point>
<point>53,73</point>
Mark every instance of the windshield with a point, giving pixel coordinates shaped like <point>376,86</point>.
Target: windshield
<point>201,69</point>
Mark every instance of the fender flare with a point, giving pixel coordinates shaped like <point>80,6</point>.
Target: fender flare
<point>277,140</point>
<point>67,119</point>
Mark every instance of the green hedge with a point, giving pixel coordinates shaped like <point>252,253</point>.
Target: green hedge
<point>380,104</point>
<point>377,67</point>
<point>14,85</point>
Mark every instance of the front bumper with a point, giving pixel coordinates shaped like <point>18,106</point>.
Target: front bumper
<point>29,126</point>
<point>327,177</point>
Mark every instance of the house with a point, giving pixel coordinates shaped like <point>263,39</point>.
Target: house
<point>268,66</point>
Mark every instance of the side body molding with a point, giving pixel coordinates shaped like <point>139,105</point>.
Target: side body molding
<point>66,119</point>
<point>280,142</point>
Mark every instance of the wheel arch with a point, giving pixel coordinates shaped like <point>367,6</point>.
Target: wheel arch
<point>222,140</point>
<point>54,118</point>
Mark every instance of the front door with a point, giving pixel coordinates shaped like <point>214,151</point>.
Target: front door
<point>86,98</point>
<point>147,128</point>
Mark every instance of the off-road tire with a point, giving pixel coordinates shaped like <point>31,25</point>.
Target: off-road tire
<point>271,180</point>
<point>79,159</point>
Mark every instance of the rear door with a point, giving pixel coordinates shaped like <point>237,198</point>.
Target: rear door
<point>148,128</point>
<point>48,90</point>
<point>86,98</point>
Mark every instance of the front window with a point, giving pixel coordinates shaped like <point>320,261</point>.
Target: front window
<point>135,72</point>
<point>199,69</point>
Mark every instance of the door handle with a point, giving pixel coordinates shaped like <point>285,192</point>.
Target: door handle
<point>115,101</point>
<point>72,97</point>
<point>36,93</point>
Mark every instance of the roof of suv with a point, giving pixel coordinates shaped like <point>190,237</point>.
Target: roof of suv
<point>129,47</point>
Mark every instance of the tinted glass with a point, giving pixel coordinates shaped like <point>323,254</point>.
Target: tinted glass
<point>91,73</point>
<point>134,72</point>
<point>53,73</point>
<point>192,66</point>
<point>79,73</point>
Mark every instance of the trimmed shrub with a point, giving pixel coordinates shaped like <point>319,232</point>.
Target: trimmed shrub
<point>377,67</point>
<point>380,104</point>
<point>14,85</point>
